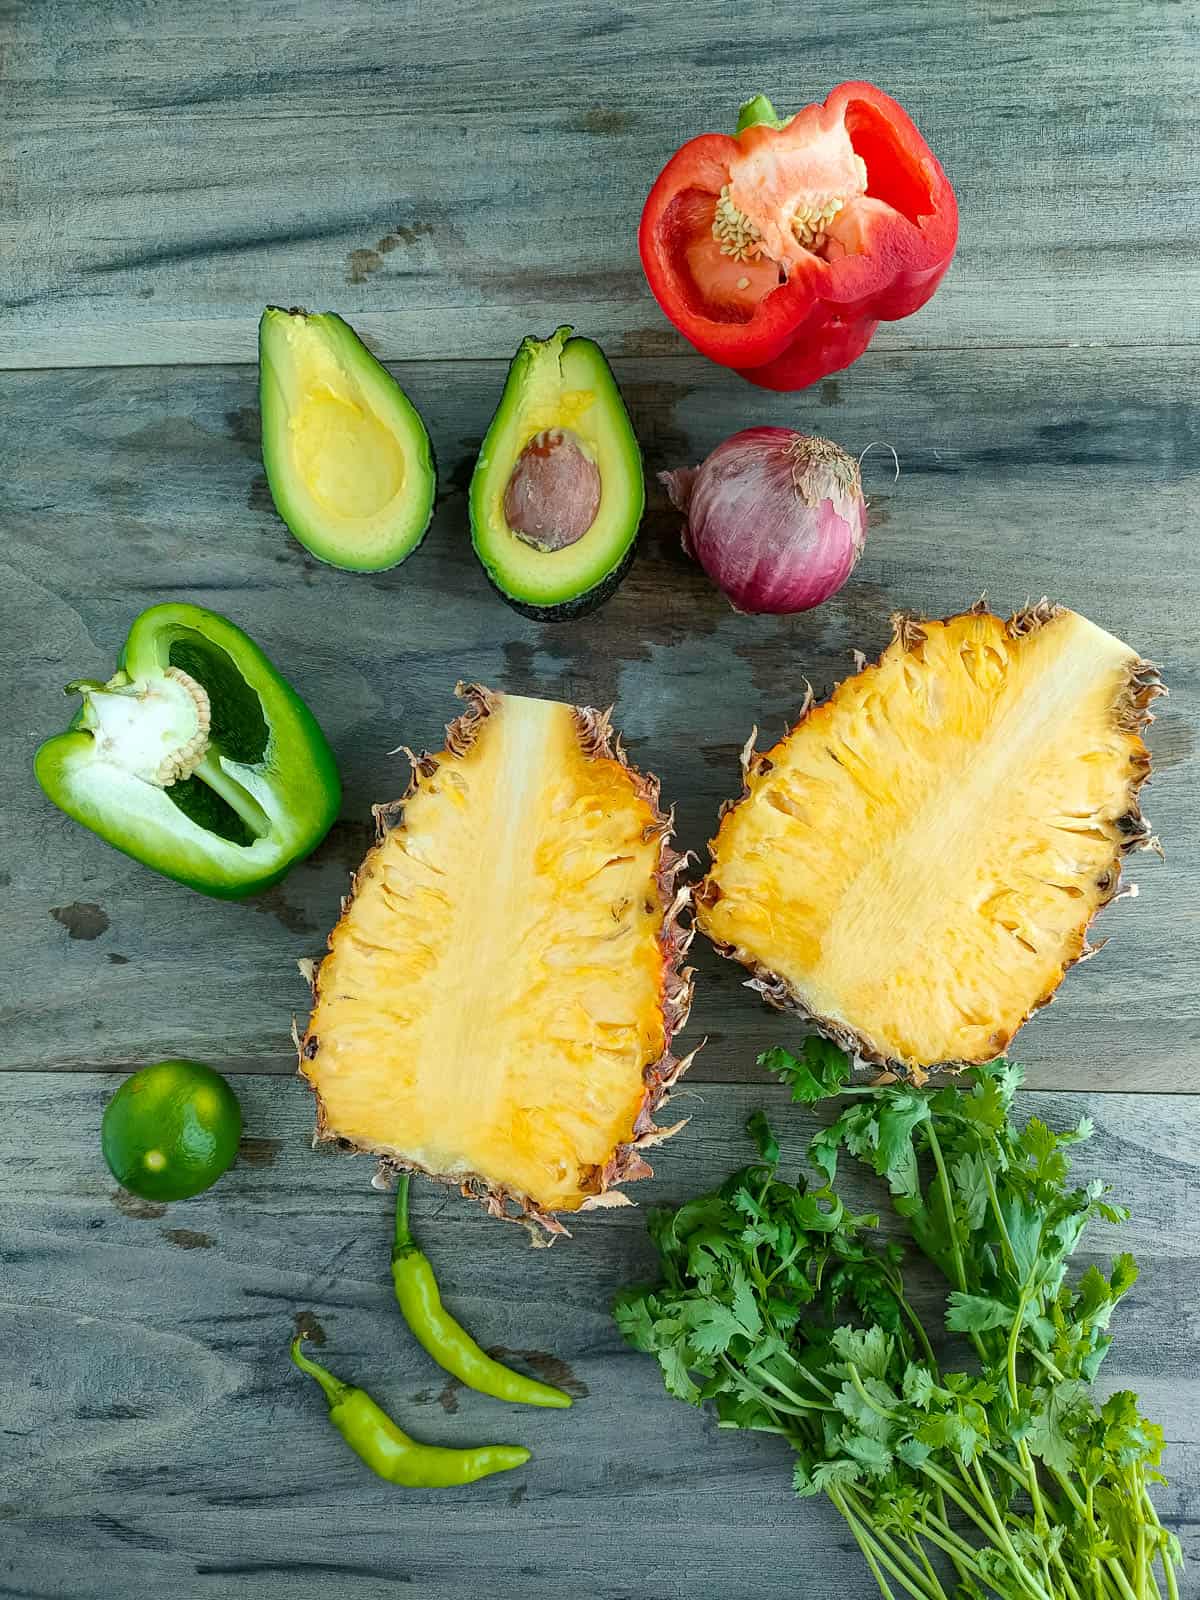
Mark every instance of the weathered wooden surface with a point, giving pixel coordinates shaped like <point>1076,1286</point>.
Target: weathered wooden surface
<point>1022,473</point>
<point>157,1441</point>
<point>450,175</point>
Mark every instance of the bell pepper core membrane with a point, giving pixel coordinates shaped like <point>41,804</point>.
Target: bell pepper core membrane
<point>196,758</point>
<point>777,251</point>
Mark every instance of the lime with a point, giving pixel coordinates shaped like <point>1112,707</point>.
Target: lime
<point>171,1130</point>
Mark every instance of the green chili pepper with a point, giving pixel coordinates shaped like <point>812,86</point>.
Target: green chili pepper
<point>450,1345</point>
<point>388,1450</point>
<point>197,757</point>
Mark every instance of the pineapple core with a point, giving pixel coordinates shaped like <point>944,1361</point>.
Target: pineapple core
<point>495,988</point>
<point>915,865</point>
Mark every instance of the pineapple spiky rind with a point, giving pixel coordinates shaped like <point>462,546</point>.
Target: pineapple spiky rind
<point>815,824</point>
<point>666,898</point>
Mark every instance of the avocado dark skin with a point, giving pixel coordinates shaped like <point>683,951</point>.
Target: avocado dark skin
<point>571,610</point>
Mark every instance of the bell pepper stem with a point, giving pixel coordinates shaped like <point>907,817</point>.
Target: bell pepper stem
<point>759,109</point>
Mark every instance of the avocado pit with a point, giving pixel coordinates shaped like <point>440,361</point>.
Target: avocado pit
<point>553,494</point>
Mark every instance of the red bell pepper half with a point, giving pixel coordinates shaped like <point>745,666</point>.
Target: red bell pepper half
<point>778,251</point>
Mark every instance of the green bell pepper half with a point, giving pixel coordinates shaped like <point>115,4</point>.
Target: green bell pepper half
<point>196,758</point>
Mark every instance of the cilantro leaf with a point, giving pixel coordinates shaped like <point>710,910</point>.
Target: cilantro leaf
<point>970,1175</point>
<point>976,1313</point>
<point>711,1326</point>
<point>872,1454</point>
<point>948,1431</point>
<point>1023,1225</point>
<point>745,1305</point>
<point>633,1317</point>
<point>867,1410</point>
<point>913,1453</point>
<point>919,1387</point>
<point>827,1473</point>
<point>895,1158</point>
<point>765,1141</point>
<point>1050,1425</point>
<point>818,1072</point>
<point>676,1376</point>
<point>1094,1296</point>
<point>874,1296</point>
<point>867,1349</point>
<point>823,1151</point>
<point>1038,1142</point>
<point>1123,1276</point>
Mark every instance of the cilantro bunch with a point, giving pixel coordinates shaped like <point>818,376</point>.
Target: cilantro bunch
<point>791,1315</point>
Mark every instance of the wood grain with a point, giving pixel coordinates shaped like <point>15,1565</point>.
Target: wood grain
<point>452,177</point>
<point>449,176</point>
<point>1070,473</point>
<point>156,1439</point>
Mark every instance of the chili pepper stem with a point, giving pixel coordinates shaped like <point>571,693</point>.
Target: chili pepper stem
<point>403,1240</point>
<point>334,1389</point>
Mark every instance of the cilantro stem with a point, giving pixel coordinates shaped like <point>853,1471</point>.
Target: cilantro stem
<point>1027,1461</point>
<point>1035,1489</point>
<point>786,1262</point>
<point>867,1399</point>
<point>947,1485</point>
<point>999,1461</point>
<point>955,1547</point>
<point>888,1544</point>
<point>1047,1364</point>
<point>1123,1584</point>
<point>1006,1544</point>
<point>1013,1340</point>
<point>764,1376</point>
<point>918,1328</point>
<point>994,1532</point>
<point>1072,1591</point>
<point>947,1194</point>
<point>762,1427</point>
<point>876,1557</point>
<point>811,1377</point>
<point>994,1201</point>
<point>916,1545</point>
<point>1073,1495</point>
<point>1141,1559</point>
<point>941,1504</point>
<point>1167,1563</point>
<point>801,1408</point>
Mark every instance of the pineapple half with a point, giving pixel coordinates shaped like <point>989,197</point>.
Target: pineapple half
<point>500,994</point>
<point>914,866</point>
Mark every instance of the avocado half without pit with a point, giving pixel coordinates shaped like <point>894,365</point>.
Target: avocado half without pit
<point>347,456</point>
<point>557,494</point>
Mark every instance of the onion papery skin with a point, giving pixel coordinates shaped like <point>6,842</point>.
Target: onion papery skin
<point>776,518</point>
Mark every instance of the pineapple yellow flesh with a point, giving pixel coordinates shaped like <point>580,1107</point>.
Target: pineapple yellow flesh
<point>495,989</point>
<point>916,864</point>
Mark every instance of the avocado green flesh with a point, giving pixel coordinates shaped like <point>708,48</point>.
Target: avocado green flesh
<point>347,456</point>
<point>560,382</point>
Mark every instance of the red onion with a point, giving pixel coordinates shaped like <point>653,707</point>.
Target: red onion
<point>776,518</point>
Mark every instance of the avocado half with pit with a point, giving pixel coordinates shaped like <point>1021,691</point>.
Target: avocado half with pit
<point>347,456</point>
<point>557,494</point>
